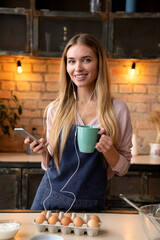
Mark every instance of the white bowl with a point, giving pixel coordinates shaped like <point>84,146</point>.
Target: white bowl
<point>8,228</point>
<point>151,224</point>
<point>47,237</point>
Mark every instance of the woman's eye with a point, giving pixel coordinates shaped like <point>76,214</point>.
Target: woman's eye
<point>71,61</point>
<point>87,60</point>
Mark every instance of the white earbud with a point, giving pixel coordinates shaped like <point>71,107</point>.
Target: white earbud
<point>74,93</point>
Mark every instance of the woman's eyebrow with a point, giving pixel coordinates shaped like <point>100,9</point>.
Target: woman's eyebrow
<point>88,56</point>
<point>82,57</point>
<point>70,58</point>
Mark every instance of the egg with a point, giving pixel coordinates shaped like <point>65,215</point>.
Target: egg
<point>40,219</point>
<point>78,222</point>
<point>44,213</point>
<point>68,215</point>
<point>56,214</point>
<point>53,219</point>
<point>95,217</point>
<point>92,223</point>
<point>66,221</point>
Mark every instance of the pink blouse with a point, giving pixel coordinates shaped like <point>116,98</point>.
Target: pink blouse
<point>124,141</point>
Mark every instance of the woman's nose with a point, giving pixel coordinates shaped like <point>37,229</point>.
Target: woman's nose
<point>79,66</point>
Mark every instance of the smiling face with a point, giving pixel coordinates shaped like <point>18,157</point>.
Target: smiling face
<point>82,65</point>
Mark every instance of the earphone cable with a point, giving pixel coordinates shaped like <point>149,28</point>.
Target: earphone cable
<point>72,174</point>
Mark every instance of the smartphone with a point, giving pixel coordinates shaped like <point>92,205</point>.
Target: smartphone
<point>25,134</point>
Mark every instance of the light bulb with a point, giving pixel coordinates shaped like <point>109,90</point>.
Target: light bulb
<point>133,68</point>
<point>19,67</point>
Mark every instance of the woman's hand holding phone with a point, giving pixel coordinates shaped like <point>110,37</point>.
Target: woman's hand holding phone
<point>40,147</point>
<point>37,146</point>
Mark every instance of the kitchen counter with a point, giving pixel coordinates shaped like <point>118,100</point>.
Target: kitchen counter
<point>20,160</point>
<point>113,227</point>
<point>19,157</point>
<point>36,159</point>
<point>145,159</point>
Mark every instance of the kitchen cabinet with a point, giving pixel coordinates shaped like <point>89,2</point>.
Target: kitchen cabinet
<point>22,173</point>
<point>18,186</point>
<point>140,184</point>
<point>30,182</point>
<point>140,38</point>
<point>16,31</point>
<point>10,188</point>
<point>135,34</point>
<point>15,4</point>
<point>44,32</point>
<point>42,28</point>
<point>52,30</point>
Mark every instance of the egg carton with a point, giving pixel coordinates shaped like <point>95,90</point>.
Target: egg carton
<point>45,226</point>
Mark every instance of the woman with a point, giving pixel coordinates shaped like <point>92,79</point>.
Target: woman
<point>73,179</point>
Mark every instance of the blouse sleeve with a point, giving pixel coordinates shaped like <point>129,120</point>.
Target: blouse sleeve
<point>124,141</point>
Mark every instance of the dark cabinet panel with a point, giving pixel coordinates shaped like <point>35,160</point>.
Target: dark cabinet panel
<point>16,31</point>
<point>69,5</point>
<point>140,38</point>
<point>52,30</point>
<point>31,179</point>
<point>63,5</point>
<point>15,3</point>
<point>18,187</point>
<point>142,187</point>
<point>153,184</point>
<point>129,184</point>
<point>10,188</point>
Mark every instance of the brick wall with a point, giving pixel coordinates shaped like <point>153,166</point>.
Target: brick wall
<point>38,84</point>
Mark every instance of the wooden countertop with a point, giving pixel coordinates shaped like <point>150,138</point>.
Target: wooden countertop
<point>19,157</point>
<point>145,159</point>
<point>113,227</point>
<point>23,157</point>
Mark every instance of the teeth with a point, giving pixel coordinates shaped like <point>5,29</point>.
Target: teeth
<point>80,76</point>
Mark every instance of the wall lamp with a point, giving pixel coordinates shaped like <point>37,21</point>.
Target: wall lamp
<point>19,67</point>
<point>133,68</point>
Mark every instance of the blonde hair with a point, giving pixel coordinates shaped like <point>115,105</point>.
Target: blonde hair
<point>64,116</point>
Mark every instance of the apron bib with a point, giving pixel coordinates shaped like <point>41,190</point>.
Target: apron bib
<point>88,184</point>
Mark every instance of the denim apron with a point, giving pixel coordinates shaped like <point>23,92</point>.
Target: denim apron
<point>88,184</point>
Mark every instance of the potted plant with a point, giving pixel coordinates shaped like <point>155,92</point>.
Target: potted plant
<point>9,117</point>
<point>154,117</point>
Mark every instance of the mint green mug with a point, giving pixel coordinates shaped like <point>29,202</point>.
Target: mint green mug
<point>87,138</point>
